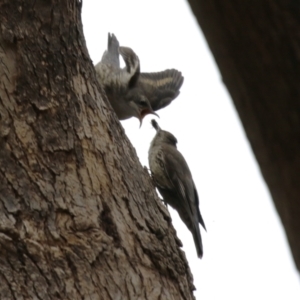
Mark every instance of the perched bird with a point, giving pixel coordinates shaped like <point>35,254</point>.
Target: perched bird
<point>130,92</point>
<point>174,181</point>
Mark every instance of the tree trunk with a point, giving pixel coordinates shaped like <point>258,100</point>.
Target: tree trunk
<point>256,45</point>
<point>80,218</point>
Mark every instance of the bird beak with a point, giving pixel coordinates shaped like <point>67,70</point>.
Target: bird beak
<point>146,112</point>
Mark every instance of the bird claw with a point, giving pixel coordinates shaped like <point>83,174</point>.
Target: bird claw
<point>164,202</point>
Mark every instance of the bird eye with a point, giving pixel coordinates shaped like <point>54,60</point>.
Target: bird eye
<point>143,103</point>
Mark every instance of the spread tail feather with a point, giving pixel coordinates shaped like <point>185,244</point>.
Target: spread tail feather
<point>111,55</point>
<point>112,43</point>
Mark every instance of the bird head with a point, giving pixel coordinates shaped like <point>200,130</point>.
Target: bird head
<point>162,136</point>
<point>141,107</point>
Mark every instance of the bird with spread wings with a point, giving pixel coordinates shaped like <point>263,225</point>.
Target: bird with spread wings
<point>130,92</point>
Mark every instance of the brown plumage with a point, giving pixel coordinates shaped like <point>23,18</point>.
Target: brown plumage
<point>174,181</point>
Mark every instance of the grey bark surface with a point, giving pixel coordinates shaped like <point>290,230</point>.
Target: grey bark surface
<point>79,216</point>
<point>256,45</point>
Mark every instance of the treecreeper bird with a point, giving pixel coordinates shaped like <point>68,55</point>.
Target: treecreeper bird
<point>174,181</point>
<point>130,92</point>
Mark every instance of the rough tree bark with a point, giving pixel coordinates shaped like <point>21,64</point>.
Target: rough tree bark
<point>80,218</point>
<point>256,45</point>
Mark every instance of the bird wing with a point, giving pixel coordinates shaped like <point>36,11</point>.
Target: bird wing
<point>181,179</point>
<point>160,87</point>
<point>184,187</point>
<point>132,63</point>
<point>112,76</point>
<point>201,221</point>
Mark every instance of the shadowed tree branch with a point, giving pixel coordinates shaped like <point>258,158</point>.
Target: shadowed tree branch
<point>256,45</point>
